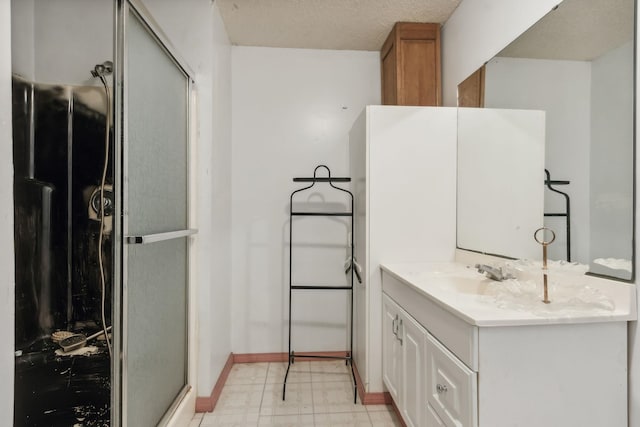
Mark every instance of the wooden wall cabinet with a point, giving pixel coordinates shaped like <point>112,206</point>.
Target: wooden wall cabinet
<point>410,65</point>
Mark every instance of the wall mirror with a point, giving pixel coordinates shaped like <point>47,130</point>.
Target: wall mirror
<point>577,65</point>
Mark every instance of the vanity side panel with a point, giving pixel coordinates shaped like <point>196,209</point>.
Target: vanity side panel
<point>358,165</point>
<point>411,199</point>
<point>579,371</point>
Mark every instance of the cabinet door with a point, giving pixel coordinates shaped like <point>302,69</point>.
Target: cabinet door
<point>391,348</point>
<point>451,386</point>
<point>410,65</point>
<point>418,68</point>
<point>413,399</point>
<point>432,419</point>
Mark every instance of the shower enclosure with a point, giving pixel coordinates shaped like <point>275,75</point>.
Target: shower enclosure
<point>102,221</point>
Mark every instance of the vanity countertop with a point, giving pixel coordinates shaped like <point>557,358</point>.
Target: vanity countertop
<point>461,290</point>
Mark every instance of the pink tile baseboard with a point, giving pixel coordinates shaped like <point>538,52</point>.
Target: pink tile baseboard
<point>259,357</point>
<point>207,404</point>
<point>381,398</point>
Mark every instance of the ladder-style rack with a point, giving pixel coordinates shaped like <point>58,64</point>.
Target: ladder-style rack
<point>348,357</point>
<point>567,210</point>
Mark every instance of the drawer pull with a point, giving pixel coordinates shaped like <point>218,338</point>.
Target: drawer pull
<point>394,326</point>
<point>440,388</point>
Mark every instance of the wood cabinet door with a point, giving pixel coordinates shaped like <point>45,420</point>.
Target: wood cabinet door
<point>410,65</point>
<point>471,90</point>
<point>418,68</point>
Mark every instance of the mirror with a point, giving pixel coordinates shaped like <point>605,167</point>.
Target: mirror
<point>500,167</point>
<point>577,65</point>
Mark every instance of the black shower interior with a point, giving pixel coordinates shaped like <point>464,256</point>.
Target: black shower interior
<point>58,158</point>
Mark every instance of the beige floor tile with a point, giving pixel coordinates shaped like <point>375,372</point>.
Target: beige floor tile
<point>298,373</point>
<point>384,419</point>
<point>344,419</point>
<point>334,397</point>
<point>229,420</point>
<point>298,400</point>
<point>300,420</point>
<point>335,370</point>
<point>248,373</point>
<point>239,399</point>
<point>376,408</point>
<point>196,420</point>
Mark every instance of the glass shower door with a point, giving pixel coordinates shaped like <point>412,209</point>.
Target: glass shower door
<point>155,225</point>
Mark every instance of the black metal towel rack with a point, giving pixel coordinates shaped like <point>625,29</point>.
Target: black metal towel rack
<point>348,357</point>
<point>567,213</point>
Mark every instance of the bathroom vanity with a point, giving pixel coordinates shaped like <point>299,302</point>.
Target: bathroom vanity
<point>455,354</point>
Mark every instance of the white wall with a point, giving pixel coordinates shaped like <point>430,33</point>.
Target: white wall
<point>563,90</point>
<point>292,110</point>
<point>477,30</point>
<point>22,38</point>
<point>196,30</point>
<point>67,47</point>
<point>7,282</point>
<point>611,165</point>
<point>634,332</point>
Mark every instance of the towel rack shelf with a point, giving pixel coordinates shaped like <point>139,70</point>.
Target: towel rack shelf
<point>292,355</point>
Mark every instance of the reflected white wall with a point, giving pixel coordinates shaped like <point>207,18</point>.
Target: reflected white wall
<point>22,38</point>
<point>611,190</point>
<point>477,31</point>
<point>563,90</point>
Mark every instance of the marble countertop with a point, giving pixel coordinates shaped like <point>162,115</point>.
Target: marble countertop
<point>575,298</point>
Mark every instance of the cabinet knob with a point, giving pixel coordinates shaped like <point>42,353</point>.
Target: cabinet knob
<point>441,388</point>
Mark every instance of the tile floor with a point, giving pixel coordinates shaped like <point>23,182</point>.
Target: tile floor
<point>318,394</point>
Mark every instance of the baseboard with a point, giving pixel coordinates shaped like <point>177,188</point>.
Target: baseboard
<point>207,404</point>
<point>381,398</point>
<point>397,411</point>
<point>259,357</point>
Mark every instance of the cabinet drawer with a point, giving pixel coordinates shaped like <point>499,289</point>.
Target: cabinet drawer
<point>433,420</point>
<point>451,386</point>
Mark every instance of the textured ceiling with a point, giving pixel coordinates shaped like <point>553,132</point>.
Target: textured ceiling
<point>578,30</point>
<point>324,24</point>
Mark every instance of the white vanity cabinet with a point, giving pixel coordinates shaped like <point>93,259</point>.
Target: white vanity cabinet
<point>392,348</point>
<point>428,384</point>
<point>451,358</point>
<point>404,343</point>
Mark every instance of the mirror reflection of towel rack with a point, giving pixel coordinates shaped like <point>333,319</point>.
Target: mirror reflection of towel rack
<point>567,213</point>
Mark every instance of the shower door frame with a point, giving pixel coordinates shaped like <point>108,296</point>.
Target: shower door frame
<point>120,148</point>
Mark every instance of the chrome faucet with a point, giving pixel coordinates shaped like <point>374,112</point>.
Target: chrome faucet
<point>493,273</point>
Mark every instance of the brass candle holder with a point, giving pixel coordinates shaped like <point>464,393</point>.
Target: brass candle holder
<point>544,244</point>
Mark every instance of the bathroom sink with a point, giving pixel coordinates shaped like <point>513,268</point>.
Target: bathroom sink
<point>460,289</point>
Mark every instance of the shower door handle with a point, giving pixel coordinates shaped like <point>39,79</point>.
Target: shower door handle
<point>159,237</point>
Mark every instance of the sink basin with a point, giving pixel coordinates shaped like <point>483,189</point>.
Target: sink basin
<point>461,289</point>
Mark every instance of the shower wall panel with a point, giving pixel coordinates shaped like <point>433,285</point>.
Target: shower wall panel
<point>59,151</point>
